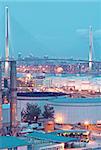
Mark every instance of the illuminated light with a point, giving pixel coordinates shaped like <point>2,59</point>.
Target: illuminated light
<point>59,70</point>
<point>40,66</point>
<point>99,122</point>
<point>28,76</point>
<point>59,118</point>
<point>6,67</point>
<point>86,123</point>
<point>64,84</point>
<point>86,133</point>
<point>43,69</point>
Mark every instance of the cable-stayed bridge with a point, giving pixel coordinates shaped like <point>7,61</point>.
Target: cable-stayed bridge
<point>91,64</point>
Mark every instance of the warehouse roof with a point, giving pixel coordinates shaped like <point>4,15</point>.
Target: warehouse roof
<point>11,142</point>
<point>51,137</point>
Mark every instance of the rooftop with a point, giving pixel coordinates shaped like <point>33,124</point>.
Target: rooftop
<point>51,137</point>
<point>41,94</point>
<point>70,131</point>
<point>11,142</point>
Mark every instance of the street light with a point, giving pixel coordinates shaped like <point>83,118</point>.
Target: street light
<point>86,123</point>
<point>59,118</point>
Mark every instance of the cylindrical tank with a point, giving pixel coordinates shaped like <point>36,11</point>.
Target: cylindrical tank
<point>77,110</point>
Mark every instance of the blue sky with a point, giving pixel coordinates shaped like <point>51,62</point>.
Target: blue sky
<point>50,27</point>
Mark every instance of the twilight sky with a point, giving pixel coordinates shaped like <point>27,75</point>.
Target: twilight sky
<point>51,27</point>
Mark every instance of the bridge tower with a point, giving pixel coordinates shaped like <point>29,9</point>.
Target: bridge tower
<point>10,91</point>
<point>90,48</point>
<point>6,41</point>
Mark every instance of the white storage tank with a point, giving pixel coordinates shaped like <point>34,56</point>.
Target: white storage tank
<point>77,110</point>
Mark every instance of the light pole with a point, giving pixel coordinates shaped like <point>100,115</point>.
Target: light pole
<point>86,124</point>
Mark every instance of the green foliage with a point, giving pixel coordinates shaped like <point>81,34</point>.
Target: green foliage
<point>48,111</point>
<point>31,113</point>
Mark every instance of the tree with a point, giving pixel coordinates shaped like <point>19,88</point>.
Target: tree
<point>31,113</point>
<point>48,111</point>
